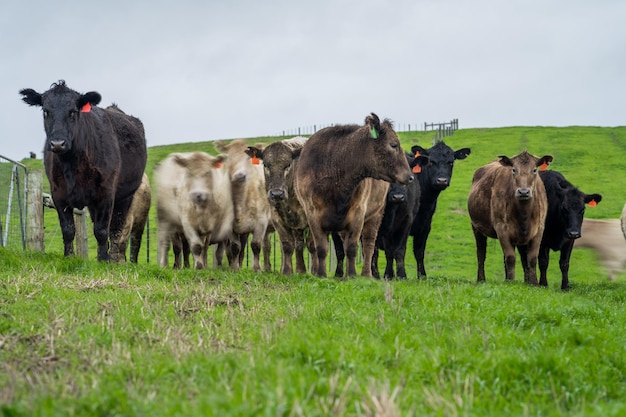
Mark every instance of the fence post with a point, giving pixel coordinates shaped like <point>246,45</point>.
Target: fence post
<point>34,211</point>
<point>80,224</point>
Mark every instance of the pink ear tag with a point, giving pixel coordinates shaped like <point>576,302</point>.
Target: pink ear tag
<point>86,108</point>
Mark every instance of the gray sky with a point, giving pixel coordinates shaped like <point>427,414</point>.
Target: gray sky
<point>203,70</point>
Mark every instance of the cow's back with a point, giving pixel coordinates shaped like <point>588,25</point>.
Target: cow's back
<point>605,237</point>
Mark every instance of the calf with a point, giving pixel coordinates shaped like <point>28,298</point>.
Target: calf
<point>401,208</point>
<point>434,178</point>
<point>279,159</point>
<point>193,198</point>
<point>251,207</point>
<point>508,202</point>
<point>336,183</point>
<point>566,207</point>
<point>605,237</point>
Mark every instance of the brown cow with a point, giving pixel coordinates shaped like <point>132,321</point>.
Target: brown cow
<point>605,237</point>
<point>194,198</point>
<point>335,181</point>
<point>508,202</point>
<point>135,223</point>
<point>252,209</point>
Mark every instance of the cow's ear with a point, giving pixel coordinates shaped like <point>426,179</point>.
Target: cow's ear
<point>418,162</point>
<point>91,98</point>
<point>373,123</point>
<point>544,161</point>
<point>505,161</point>
<point>253,151</point>
<point>31,97</point>
<point>418,149</point>
<point>180,159</point>
<point>218,162</point>
<point>462,153</point>
<point>589,198</point>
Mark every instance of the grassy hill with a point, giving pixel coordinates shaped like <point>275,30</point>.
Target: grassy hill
<point>85,338</point>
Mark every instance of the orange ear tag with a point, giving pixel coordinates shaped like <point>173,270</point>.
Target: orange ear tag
<point>417,153</point>
<point>255,160</point>
<point>86,108</point>
<point>592,203</point>
<point>417,169</point>
<point>543,167</point>
<point>217,165</point>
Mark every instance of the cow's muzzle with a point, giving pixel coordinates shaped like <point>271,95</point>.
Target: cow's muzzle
<point>57,146</point>
<point>397,198</point>
<point>277,194</point>
<point>523,194</point>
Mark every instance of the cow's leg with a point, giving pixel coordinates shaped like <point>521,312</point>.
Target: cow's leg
<point>340,254</point>
<point>68,229</point>
<point>419,247</point>
<point>119,229</point>
<point>530,273</point>
<point>389,273</point>
<point>523,255</point>
<point>164,236</point>
<point>375,272</point>
<point>196,244</point>
<point>310,244</point>
<point>566,252</point>
<point>287,244</point>
<point>544,262</point>
<point>177,247</point>
<point>267,251</point>
<point>257,242</point>
<point>233,249</point>
<point>481,253</point>
<point>368,240</point>
<point>136,234</point>
<point>399,255</point>
<point>102,218</point>
<point>321,249</point>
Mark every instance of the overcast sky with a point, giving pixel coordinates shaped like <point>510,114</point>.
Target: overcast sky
<point>204,70</point>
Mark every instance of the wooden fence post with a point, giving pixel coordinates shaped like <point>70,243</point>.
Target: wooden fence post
<point>34,211</point>
<point>80,223</point>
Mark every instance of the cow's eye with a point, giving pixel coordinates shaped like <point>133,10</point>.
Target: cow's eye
<point>534,171</point>
<point>73,113</point>
<point>394,145</point>
<point>46,113</point>
<point>514,171</point>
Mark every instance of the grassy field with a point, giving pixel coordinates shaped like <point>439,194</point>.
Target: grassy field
<point>83,338</point>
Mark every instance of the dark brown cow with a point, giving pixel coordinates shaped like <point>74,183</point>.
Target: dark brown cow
<point>508,202</point>
<point>93,158</point>
<point>335,181</point>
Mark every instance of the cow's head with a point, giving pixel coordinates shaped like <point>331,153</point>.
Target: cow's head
<point>201,175</point>
<point>524,168</point>
<point>62,109</point>
<point>438,173</point>
<point>388,161</point>
<point>278,161</point>
<point>398,193</point>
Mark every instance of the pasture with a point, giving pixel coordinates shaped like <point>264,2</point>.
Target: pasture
<point>85,338</point>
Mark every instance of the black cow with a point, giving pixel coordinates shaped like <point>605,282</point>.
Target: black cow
<point>93,158</point>
<point>434,178</point>
<point>402,204</point>
<point>566,208</point>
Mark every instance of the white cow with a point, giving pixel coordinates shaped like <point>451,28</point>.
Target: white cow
<point>251,206</point>
<point>605,237</point>
<point>193,198</point>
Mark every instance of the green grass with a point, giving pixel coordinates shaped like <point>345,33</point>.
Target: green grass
<point>84,338</point>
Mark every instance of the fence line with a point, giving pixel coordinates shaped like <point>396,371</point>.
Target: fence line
<point>442,129</point>
<point>309,130</point>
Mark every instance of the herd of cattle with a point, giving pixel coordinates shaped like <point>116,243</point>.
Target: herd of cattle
<point>352,183</point>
